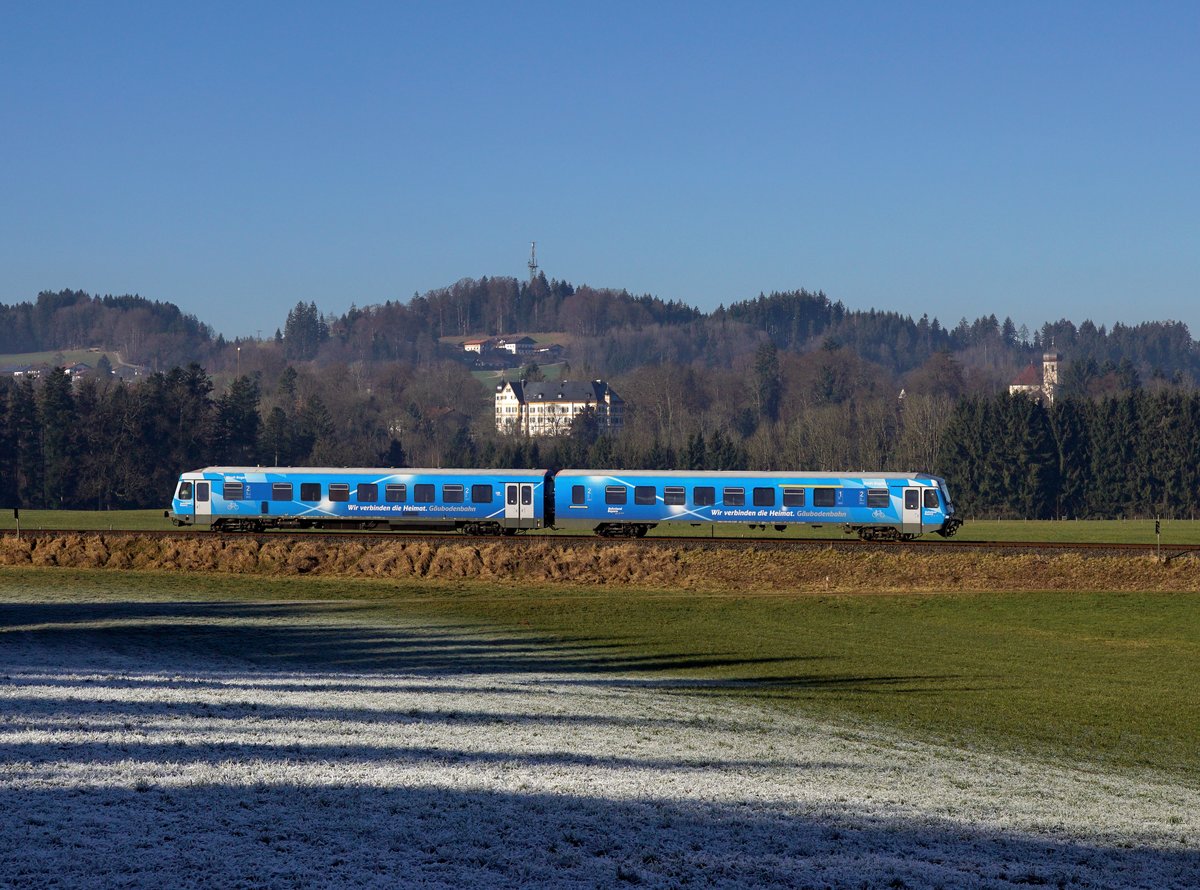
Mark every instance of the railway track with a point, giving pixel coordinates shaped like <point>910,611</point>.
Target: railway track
<point>1167,552</point>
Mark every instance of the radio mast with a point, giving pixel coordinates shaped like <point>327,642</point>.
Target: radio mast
<point>532,261</point>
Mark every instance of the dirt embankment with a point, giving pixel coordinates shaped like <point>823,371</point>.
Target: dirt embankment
<point>542,561</point>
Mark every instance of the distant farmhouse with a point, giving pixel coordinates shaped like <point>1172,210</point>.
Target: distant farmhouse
<point>1041,386</point>
<point>520,346</point>
<point>549,409</point>
<point>77,371</point>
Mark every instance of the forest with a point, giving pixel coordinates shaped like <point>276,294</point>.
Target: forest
<point>787,380</point>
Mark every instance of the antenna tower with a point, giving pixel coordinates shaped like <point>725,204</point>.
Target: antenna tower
<point>532,260</point>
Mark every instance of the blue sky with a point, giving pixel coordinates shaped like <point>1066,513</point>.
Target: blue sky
<point>1036,160</point>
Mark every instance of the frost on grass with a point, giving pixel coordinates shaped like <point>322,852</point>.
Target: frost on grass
<point>143,766</point>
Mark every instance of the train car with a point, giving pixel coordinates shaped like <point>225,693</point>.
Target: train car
<point>257,498</point>
<point>876,506</point>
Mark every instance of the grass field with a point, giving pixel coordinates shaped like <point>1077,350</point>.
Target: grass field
<point>1174,532</point>
<point>97,520</point>
<point>1092,677</point>
<point>490,379</point>
<point>57,357</point>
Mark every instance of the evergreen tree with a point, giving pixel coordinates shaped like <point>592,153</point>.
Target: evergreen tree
<point>695,456</point>
<point>56,415</point>
<point>1036,489</point>
<point>768,385</point>
<point>8,479</point>
<point>237,422</point>
<point>303,332</point>
<point>25,436</point>
<point>274,442</point>
<point>1068,427</point>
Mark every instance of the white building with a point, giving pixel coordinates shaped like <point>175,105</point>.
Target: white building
<point>549,409</point>
<point>1038,386</point>
<point>520,346</point>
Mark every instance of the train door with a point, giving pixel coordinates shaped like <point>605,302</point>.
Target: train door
<point>911,518</point>
<point>518,504</point>
<point>203,501</point>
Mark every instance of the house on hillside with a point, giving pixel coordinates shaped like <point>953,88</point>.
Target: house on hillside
<point>1042,385</point>
<point>549,408</point>
<point>479,347</point>
<point>519,346</point>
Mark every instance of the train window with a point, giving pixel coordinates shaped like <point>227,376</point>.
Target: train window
<point>281,491</point>
<point>481,494</point>
<point>452,494</point>
<point>577,494</point>
<point>202,492</point>
<point>616,494</point>
<point>878,497</point>
<point>423,493</point>
<point>704,495</point>
<point>824,497</point>
<point>526,495</point>
<point>644,494</point>
<point>368,492</point>
<point>912,499</point>
<point>734,497</point>
<point>339,491</point>
<point>673,495</point>
<point>931,498</point>
<point>310,491</point>
<point>234,491</point>
<point>395,494</point>
<point>793,497</point>
<point>185,491</point>
<point>764,497</point>
<point>512,494</point>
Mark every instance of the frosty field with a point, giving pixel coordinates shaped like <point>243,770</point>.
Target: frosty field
<point>187,741</point>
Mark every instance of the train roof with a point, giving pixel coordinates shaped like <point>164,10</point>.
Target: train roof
<point>750,474</point>
<point>373,471</point>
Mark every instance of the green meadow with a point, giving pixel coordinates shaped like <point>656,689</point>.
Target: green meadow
<point>1177,532</point>
<point>1089,677</point>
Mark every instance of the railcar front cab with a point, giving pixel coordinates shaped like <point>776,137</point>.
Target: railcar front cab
<point>192,502</point>
<point>923,505</point>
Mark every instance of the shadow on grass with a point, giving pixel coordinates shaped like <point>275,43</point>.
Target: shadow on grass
<point>342,835</point>
<point>118,688</point>
<point>333,636</point>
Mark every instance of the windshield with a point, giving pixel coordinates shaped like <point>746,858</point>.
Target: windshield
<point>946,496</point>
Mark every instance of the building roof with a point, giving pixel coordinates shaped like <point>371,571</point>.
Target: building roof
<point>1029,376</point>
<point>563,391</point>
<point>567,391</point>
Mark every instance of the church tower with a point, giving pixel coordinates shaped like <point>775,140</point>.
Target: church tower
<point>1050,374</point>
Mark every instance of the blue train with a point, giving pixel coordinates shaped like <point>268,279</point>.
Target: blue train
<point>258,498</point>
<point>875,506</point>
<point>880,506</point>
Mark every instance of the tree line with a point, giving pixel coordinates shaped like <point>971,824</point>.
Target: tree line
<point>609,332</point>
<point>1132,455</point>
<point>100,444</point>
<point>785,381</point>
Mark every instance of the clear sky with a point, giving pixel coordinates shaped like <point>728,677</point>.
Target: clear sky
<point>1039,160</point>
